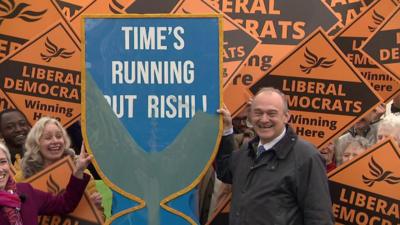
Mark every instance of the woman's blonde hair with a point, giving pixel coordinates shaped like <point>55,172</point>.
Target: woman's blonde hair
<point>33,161</point>
<point>6,152</point>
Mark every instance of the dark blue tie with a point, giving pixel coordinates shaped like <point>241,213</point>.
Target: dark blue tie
<point>260,150</point>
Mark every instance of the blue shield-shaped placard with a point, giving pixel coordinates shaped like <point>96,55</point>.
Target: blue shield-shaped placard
<point>151,89</point>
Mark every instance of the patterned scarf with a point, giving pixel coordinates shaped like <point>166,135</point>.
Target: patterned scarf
<point>11,203</point>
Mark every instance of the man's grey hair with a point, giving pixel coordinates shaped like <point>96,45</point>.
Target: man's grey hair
<point>277,91</point>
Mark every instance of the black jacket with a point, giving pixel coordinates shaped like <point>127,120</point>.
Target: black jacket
<point>286,185</point>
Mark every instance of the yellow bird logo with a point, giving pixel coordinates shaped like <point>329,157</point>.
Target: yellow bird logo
<point>186,11</point>
<point>54,52</point>
<point>116,7</point>
<point>53,187</point>
<point>314,61</point>
<point>8,10</point>
<point>379,175</point>
<point>378,19</point>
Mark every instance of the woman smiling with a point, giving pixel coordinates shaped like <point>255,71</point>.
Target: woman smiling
<point>48,142</point>
<point>20,203</point>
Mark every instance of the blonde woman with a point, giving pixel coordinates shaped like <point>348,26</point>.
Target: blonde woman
<point>20,203</point>
<point>46,143</point>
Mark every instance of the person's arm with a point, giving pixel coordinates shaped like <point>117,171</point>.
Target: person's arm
<point>313,192</point>
<point>67,201</point>
<point>227,145</point>
<point>224,158</point>
<point>81,164</point>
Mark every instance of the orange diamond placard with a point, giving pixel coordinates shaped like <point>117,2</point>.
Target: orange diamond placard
<point>238,43</point>
<point>346,11</point>
<point>325,93</point>
<point>43,78</point>
<point>54,179</point>
<point>350,38</point>
<point>22,20</point>
<point>384,45</point>
<point>71,8</point>
<point>366,189</point>
<point>5,102</point>
<point>280,25</point>
<point>98,6</point>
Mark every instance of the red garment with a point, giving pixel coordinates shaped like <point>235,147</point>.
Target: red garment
<point>36,202</point>
<point>331,166</point>
<point>10,202</point>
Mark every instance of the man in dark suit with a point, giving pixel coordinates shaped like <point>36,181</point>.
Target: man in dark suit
<point>277,178</point>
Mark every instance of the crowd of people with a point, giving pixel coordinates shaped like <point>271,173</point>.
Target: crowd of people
<point>30,150</point>
<point>263,170</point>
<point>21,204</point>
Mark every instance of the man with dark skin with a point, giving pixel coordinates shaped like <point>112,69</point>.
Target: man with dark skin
<point>14,128</point>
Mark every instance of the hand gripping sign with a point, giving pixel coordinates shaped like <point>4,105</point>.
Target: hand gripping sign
<point>150,94</point>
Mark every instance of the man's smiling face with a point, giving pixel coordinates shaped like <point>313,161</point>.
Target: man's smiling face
<point>268,115</point>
